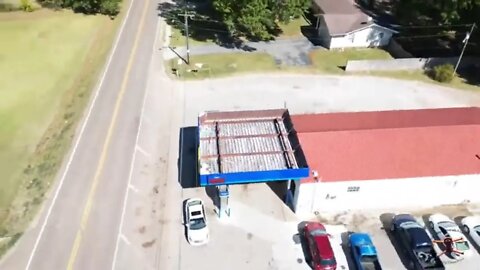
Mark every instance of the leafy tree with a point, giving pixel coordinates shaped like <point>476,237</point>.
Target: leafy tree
<point>437,11</point>
<point>107,7</point>
<point>258,19</point>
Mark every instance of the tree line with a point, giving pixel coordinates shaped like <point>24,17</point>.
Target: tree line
<point>107,7</point>
<point>438,12</point>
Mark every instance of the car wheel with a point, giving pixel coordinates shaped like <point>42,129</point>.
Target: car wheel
<point>466,229</point>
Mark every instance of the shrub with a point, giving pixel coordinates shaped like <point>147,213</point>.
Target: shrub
<point>26,6</point>
<point>443,73</point>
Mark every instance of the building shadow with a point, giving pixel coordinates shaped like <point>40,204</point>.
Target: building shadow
<point>184,219</point>
<point>346,249</point>
<point>386,220</point>
<point>187,158</point>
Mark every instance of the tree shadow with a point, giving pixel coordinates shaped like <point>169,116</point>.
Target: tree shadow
<point>470,74</point>
<point>204,24</point>
<point>187,157</point>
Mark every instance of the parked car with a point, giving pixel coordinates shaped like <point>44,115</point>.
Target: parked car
<point>364,252</point>
<point>444,227</point>
<point>471,226</point>
<point>319,246</point>
<point>415,241</point>
<point>196,222</point>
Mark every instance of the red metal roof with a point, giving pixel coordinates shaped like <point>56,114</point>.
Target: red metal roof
<point>391,144</point>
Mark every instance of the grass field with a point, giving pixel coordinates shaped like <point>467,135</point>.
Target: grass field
<point>49,62</point>
<point>217,65</point>
<point>293,28</point>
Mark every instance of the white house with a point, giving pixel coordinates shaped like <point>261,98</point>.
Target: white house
<point>388,159</point>
<point>341,24</point>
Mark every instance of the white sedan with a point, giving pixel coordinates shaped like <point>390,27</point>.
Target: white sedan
<point>444,227</point>
<point>196,222</point>
<point>471,226</point>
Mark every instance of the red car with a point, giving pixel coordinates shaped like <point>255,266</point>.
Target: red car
<point>321,252</point>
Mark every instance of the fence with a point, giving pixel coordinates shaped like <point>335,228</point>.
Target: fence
<point>407,63</point>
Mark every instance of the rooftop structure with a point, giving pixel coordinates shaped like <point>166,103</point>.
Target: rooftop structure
<point>390,144</point>
<point>248,146</point>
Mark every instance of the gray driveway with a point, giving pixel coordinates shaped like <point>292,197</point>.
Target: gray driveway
<point>293,52</point>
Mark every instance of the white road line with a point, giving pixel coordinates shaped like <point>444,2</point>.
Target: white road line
<point>80,135</point>
<point>130,176</point>
<point>140,149</point>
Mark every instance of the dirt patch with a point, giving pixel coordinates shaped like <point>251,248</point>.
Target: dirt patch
<point>149,243</point>
<point>452,211</point>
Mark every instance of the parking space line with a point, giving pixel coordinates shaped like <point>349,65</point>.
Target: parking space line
<point>124,238</point>
<point>140,149</point>
<point>132,187</point>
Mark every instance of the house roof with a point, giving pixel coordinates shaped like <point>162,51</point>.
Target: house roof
<point>342,16</point>
<point>390,144</point>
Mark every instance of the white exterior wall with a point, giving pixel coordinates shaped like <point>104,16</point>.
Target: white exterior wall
<point>389,193</point>
<point>364,38</point>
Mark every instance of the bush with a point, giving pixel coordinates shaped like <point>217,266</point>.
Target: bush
<point>26,6</point>
<point>443,73</point>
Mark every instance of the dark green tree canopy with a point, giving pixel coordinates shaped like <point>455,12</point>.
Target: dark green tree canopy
<point>257,19</point>
<point>107,7</point>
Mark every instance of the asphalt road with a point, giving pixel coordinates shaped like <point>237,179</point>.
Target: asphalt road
<point>82,223</point>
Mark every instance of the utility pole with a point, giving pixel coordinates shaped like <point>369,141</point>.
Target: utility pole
<point>186,16</point>
<point>465,41</point>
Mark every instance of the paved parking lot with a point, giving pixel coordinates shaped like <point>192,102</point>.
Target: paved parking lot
<point>262,233</point>
<point>374,221</point>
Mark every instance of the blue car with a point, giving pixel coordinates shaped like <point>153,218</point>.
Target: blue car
<point>364,252</point>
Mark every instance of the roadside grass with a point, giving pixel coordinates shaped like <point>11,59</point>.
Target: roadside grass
<point>293,28</point>
<point>334,61</point>
<point>323,62</point>
<point>218,65</point>
<point>49,66</point>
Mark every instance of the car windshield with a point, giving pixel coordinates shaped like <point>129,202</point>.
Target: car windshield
<point>197,224</point>
<point>327,262</point>
<point>462,246</point>
<point>448,225</point>
<point>410,225</point>
<point>318,232</point>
